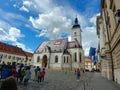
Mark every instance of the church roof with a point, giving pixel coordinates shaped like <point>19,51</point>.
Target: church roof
<point>54,45</point>
<point>58,45</point>
<point>72,44</point>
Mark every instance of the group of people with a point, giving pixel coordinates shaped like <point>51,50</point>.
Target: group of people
<point>39,74</point>
<point>22,74</point>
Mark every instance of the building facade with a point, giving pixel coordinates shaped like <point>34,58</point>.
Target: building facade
<point>89,65</point>
<point>13,54</point>
<point>61,54</point>
<point>108,31</point>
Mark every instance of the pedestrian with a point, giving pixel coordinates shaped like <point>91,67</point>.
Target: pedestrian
<point>23,73</point>
<point>15,73</point>
<point>19,74</point>
<point>35,71</point>
<point>27,76</point>
<point>9,84</point>
<point>39,75</point>
<point>43,74</point>
<point>78,74</point>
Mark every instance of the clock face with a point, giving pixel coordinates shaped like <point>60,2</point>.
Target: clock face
<point>57,43</point>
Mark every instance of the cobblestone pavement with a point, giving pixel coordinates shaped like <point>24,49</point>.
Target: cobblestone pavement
<point>60,80</point>
<point>57,80</point>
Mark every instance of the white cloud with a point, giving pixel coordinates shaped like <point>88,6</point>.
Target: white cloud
<point>23,8</point>
<point>54,20</point>
<point>89,36</point>
<point>69,38</point>
<point>11,35</point>
<point>8,31</point>
<point>89,39</point>
<point>21,45</point>
<point>14,34</point>
<point>54,23</point>
<point>27,3</point>
<point>12,19</point>
<point>93,19</point>
<point>14,5</point>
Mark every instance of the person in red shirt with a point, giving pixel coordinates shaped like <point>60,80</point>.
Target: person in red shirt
<point>78,74</point>
<point>43,74</point>
<point>14,73</point>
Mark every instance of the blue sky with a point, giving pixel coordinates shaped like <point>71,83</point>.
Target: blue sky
<point>27,23</point>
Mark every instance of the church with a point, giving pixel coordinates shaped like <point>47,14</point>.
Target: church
<point>61,54</point>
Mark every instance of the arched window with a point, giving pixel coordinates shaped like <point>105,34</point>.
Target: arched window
<point>64,59</point>
<point>75,57</point>
<point>67,59</point>
<point>56,59</point>
<point>13,57</point>
<point>74,33</point>
<point>9,57</point>
<point>80,58</point>
<point>1,56</point>
<point>38,59</point>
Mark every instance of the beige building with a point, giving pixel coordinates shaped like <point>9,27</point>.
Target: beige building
<point>89,65</point>
<point>14,54</point>
<point>108,31</point>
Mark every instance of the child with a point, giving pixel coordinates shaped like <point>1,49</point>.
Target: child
<point>43,74</point>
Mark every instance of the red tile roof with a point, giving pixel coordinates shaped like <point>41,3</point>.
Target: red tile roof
<point>28,54</point>
<point>88,60</point>
<point>6,48</point>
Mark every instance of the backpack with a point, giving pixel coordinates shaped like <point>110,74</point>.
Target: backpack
<point>39,73</point>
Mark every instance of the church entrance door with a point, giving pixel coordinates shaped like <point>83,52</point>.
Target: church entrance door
<point>44,61</point>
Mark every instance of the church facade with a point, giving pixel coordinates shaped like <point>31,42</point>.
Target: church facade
<point>61,54</point>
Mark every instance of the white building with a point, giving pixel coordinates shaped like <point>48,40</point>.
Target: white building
<point>61,54</point>
<point>13,54</point>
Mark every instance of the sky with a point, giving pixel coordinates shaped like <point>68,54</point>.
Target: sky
<point>27,23</point>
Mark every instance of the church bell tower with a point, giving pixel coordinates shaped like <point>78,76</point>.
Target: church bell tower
<point>76,32</point>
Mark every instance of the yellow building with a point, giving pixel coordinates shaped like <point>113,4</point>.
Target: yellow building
<point>88,64</point>
<point>108,31</point>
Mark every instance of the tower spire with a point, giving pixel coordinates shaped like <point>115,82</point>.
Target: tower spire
<point>76,20</point>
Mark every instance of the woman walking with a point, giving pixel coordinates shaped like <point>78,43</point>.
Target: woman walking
<point>78,74</point>
<point>27,76</point>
